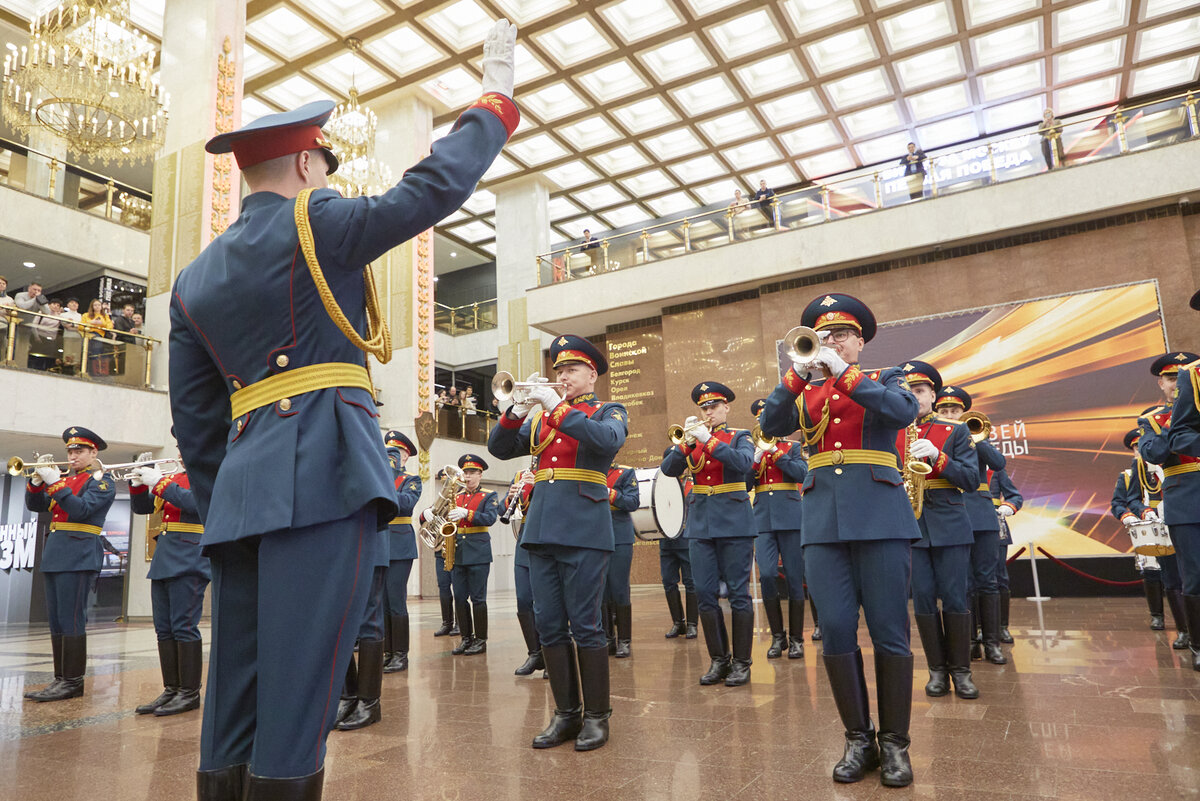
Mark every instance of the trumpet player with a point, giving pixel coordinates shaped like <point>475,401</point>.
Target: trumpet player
<point>720,529</point>
<point>941,559</point>
<point>402,551</point>
<point>179,575</point>
<point>623,498</point>
<point>520,492</point>
<point>568,532</point>
<point>72,556</point>
<point>858,525</point>
<point>779,472</point>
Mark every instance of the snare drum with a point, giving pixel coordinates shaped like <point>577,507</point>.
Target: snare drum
<point>1144,563</point>
<point>1150,538</point>
<point>661,511</point>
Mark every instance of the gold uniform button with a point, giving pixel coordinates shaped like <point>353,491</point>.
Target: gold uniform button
<point>837,420</point>
<point>285,404</point>
<point>837,471</point>
<point>239,425</point>
<point>237,384</point>
<point>837,444</point>
<point>836,396</point>
<point>282,360</point>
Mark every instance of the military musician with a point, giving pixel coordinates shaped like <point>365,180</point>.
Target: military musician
<point>569,532</point>
<point>449,627</point>
<point>721,528</point>
<point>520,492</point>
<point>858,526</point>
<point>475,512</point>
<point>1008,501</point>
<point>623,498</point>
<point>402,551</point>
<point>674,566</point>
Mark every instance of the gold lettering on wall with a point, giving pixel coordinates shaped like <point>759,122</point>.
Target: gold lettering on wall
<point>636,379</point>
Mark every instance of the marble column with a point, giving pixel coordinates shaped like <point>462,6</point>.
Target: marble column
<point>522,233</point>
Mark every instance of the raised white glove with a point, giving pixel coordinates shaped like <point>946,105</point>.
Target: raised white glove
<point>499,58</point>
<point>829,357</point>
<point>758,455</point>
<point>456,514</point>
<point>1128,518</point>
<point>804,370</point>
<point>527,476</point>
<point>149,476</point>
<point>545,396</point>
<point>1004,510</point>
<point>519,411</point>
<point>922,449</point>
<point>1157,470</point>
<point>136,481</point>
<point>48,475</point>
<point>774,447</point>
<point>702,434</point>
<point>426,516</point>
<point>1151,515</point>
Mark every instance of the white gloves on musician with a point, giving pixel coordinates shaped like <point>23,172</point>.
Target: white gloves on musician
<point>47,475</point>
<point>1150,515</point>
<point>922,449</point>
<point>1004,510</point>
<point>427,515</point>
<point>146,475</point>
<point>544,396</point>
<point>702,434</point>
<point>1129,518</point>
<point>759,453</point>
<point>499,58</point>
<point>828,357</point>
<point>456,514</point>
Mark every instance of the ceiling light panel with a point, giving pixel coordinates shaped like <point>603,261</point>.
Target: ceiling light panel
<point>575,228</point>
<point>745,34</point>
<point>501,166</point>
<point>730,127</point>
<point>488,247</point>
<point>841,51</point>
<point>474,231</point>
<point>1008,44</point>
<point>403,50</point>
<point>673,144</point>
<point>294,92</point>
<point>779,175</point>
<point>695,170</point>
<point>856,89</point>
<point>481,202</point>
<point>1088,19</point>
<point>528,67</point>
<point>560,207</point>
<point>612,81</point>
<point>1086,95</point>
<point>553,101</point>
<point>454,88</point>
<point>253,108</point>
<point>672,204</point>
<point>453,217</point>
<point>930,66</point>
<point>808,16</point>
<point>706,95</point>
<point>1157,8</point>
<point>600,196</point>
<point>811,138</point>
<point>1090,60</point>
<point>751,154</point>
<point>883,149</point>
<point>770,74</point>
<point>826,163</point>
<point>645,115</point>
<point>676,59</point>
<point>625,216</point>
<point>1012,80</point>
<point>1178,72</point>
<point>536,150</point>
<point>939,102</point>
<point>872,120</point>
<point>1027,111</point>
<point>574,42</point>
<point>620,159</point>
<point>634,20</point>
<point>346,16</point>
<point>285,32</point>
<point>1168,38</point>
<point>945,132</point>
<point>716,192</point>
<point>573,173</point>
<point>460,25</point>
<point>523,12</point>
<point>917,26</point>
<point>702,8</point>
<point>589,133</point>
<point>980,12</point>
<point>255,62</point>
<point>648,183</point>
<point>346,70</point>
<point>797,107</point>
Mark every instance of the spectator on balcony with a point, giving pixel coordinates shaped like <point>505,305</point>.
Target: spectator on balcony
<point>467,399</point>
<point>5,300</point>
<point>591,247</point>
<point>32,300</point>
<point>913,163</point>
<point>71,312</point>
<point>124,323</point>
<point>737,219</point>
<point>44,338</point>
<point>96,323</point>
<point>443,398</point>
<point>764,198</point>
<point>1051,133</point>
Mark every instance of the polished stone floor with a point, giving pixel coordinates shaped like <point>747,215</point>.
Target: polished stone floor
<point>1094,707</point>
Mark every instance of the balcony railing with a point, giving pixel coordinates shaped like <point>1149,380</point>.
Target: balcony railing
<point>82,189</point>
<point>1079,141</point>
<point>465,319</point>
<point>462,423</point>
<point>74,349</point>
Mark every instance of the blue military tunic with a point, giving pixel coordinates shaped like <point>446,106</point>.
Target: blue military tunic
<point>473,543</point>
<point>177,546</point>
<point>79,504</point>
<point>719,505</point>
<point>944,520</point>
<point>623,498</point>
<point>777,506</point>
<point>979,502</point>
<point>402,541</point>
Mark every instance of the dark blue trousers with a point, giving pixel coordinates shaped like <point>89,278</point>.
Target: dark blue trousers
<point>470,581</point>
<point>768,547</point>
<point>286,608</point>
<point>940,573</point>
<point>1186,539</point>
<point>1002,565</point>
<point>1168,572</point>
<point>983,563</point>
<point>176,605</point>
<point>445,584</point>
<point>616,585</point>
<point>397,586</point>
<point>568,584</point>
<point>727,559</point>
<point>523,588</point>
<point>674,566</point>
<point>371,627</point>
<point>67,600</point>
<point>873,574</point>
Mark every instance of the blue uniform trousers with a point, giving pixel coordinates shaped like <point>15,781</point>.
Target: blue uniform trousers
<point>768,547</point>
<point>616,586</point>
<point>67,600</point>
<point>445,583</point>
<point>940,572</point>
<point>285,612</point>
<point>524,589</point>
<point>397,586</point>
<point>674,566</point>
<point>470,582</point>
<point>568,584</point>
<point>176,604</point>
<point>725,559</point>
<point>371,627</point>
<point>874,574</point>
<point>1168,572</point>
<point>983,563</point>
<point>1186,539</point>
<point>1002,565</point>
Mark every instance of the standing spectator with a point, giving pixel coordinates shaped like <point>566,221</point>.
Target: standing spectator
<point>454,413</point>
<point>468,400</point>
<point>1051,132</point>
<point>71,312</point>
<point>913,163</point>
<point>736,207</point>
<point>763,198</point>
<point>32,300</point>
<point>124,322</point>
<point>96,323</point>
<point>71,353</point>
<point>43,349</point>
<point>5,300</point>
<point>592,248</point>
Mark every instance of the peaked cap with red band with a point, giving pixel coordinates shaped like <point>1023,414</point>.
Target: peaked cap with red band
<point>1169,364</point>
<point>78,436</point>
<point>1131,438</point>
<point>839,310</point>
<point>469,461</point>
<point>569,349</point>
<point>707,392</point>
<point>396,439</point>
<point>919,372</point>
<point>276,135</point>
<point>953,395</point>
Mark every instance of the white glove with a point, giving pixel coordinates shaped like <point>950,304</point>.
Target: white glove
<point>136,481</point>
<point>545,396</point>
<point>1128,518</point>
<point>1157,470</point>
<point>48,475</point>
<point>1004,510</point>
<point>1151,515</point>
<point>804,370</point>
<point>519,411</point>
<point>702,434</point>
<point>426,516</point>
<point>149,476</point>
<point>774,447</point>
<point>922,449</point>
<point>758,455</point>
<point>829,357</point>
<point>527,476</point>
<point>499,58</point>
<point>456,514</point>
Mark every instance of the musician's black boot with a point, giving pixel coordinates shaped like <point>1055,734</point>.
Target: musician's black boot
<point>893,689</point>
<point>849,684</point>
<point>796,629</point>
<point>447,617</point>
<point>564,686</point>
<point>56,650</point>
<point>1191,606</point>
<point>480,633</point>
<point>816,632</point>
<point>976,631</point>
<point>366,709</point>
<point>774,612</point>
<point>742,624</point>
<point>1154,600</point>
<point>301,788</point>
<point>593,678</point>
<point>989,609</point>
<point>168,663</point>
<point>693,614</point>
<point>1182,638</point>
<point>930,629</point>
<point>74,664</point>
<point>190,655</point>
<point>349,692</point>
<point>718,671</point>
<point>398,660</point>
<point>534,659</point>
<point>958,653</point>
<point>1005,602</point>
<point>675,605</point>
<point>624,633</point>
<point>222,784</point>
<point>462,612</point>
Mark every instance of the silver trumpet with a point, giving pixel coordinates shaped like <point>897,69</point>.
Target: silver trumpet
<point>803,344</point>
<point>128,470</point>
<point>505,387</point>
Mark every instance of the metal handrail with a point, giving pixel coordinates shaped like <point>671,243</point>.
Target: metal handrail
<point>85,330</point>
<point>488,417</point>
<point>470,310</point>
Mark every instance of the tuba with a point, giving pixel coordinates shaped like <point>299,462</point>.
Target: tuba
<point>438,532</point>
<point>914,472</point>
<point>978,424</point>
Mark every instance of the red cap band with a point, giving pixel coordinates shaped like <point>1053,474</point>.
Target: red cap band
<point>275,142</point>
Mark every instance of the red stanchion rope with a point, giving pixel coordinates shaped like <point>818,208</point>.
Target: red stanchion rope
<point>1015,556</point>
<point>1079,572</point>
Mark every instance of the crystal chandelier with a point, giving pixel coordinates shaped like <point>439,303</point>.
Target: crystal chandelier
<point>351,131</point>
<point>85,77</point>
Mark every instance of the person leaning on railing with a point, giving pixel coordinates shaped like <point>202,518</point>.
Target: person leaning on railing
<point>95,322</point>
<point>46,329</point>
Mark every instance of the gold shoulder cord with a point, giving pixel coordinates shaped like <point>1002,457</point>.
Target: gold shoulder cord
<point>536,443</point>
<point>1145,477</point>
<point>813,434</point>
<point>379,337</point>
<point>698,466</point>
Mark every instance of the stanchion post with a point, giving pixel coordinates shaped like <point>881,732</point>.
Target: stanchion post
<point>1037,589</point>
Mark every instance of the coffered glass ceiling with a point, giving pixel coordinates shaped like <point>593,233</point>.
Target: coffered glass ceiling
<point>636,109</point>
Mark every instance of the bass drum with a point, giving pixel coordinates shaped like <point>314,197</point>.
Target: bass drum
<point>662,511</point>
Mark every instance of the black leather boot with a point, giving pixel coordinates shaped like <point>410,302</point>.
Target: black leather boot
<point>678,627</point>
<point>349,692</point>
<point>610,630</point>
<point>564,686</point>
<point>624,634</point>
<point>301,788</point>
<point>976,631</point>
<point>593,679</point>
<point>929,627</point>
<point>1154,600</point>
<point>1191,607</point>
<point>397,661</point>
<point>56,651</point>
<point>958,653</point>
<point>1005,602</point>
<point>742,624</point>
<point>534,660</point>
<point>816,632</point>
<point>366,709</point>
<point>191,667</point>
<point>693,614</point>
<point>74,659</point>
<point>774,612</point>
<point>849,684</point>
<point>893,689</point>
<point>462,611</point>
<point>168,663</point>
<point>447,617</point>
<point>989,612</point>
<point>222,784</point>
<point>479,634</point>
<point>796,629</point>
<point>1182,638</point>
<point>718,671</point>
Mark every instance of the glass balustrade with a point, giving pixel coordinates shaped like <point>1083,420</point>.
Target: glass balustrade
<point>56,344</point>
<point>465,319</point>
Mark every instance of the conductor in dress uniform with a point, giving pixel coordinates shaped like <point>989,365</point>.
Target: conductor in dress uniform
<point>569,533</point>
<point>79,501</point>
<point>402,550</point>
<point>858,526</point>
<point>721,529</point>
<point>275,419</point>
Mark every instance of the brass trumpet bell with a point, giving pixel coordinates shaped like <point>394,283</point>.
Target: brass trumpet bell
<point>803,343</point>
<point>682,434</point>
<point>19,467</point>
<point>978,424</point>
<point>761,440</point>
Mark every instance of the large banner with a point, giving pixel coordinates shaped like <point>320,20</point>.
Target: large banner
<point>1062,380</point>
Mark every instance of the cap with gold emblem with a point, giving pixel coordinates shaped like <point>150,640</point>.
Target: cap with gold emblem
<point>709,392</point>
<point>757,406</point>
<point>396,439</point>
<point>80,437</point>
<point>1131,437</point>
<point>1169,363</point>
<point>919,372</point>
<point>570,349</point>
<point>275,135</point>
<point>837,310</point>
<point>953,396</point>
<point>469,461</point>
